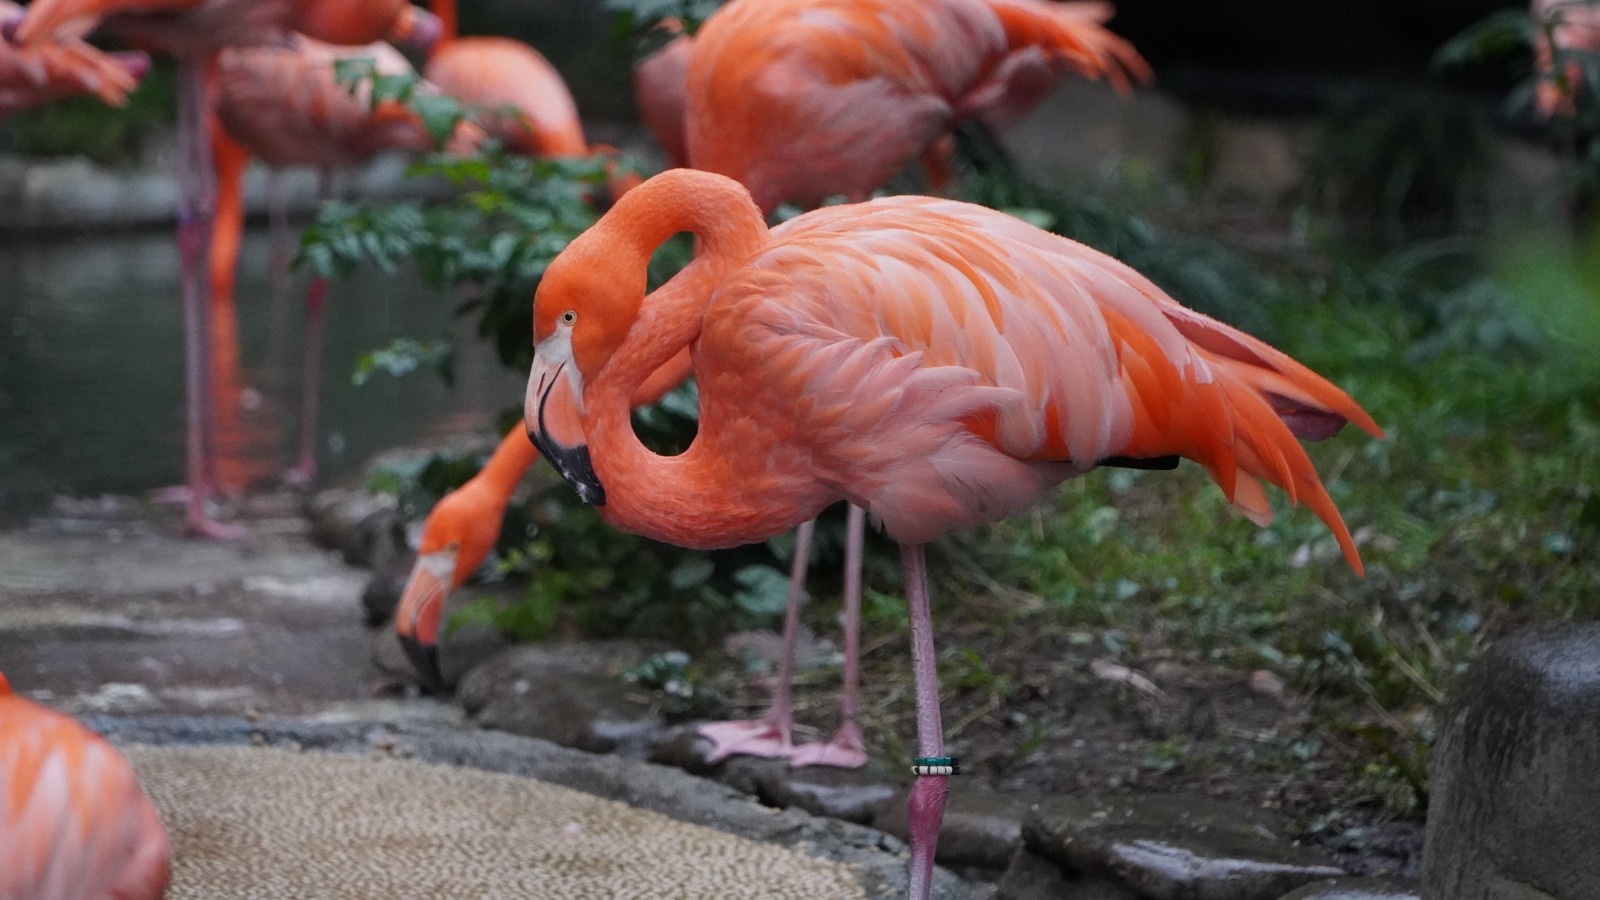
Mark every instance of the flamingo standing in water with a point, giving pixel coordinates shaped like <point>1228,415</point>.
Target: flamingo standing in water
<point>73,822</point>
<point>282,104</point>
<point>33,75</point>
<point>194,32</point>
<point>937,363</point>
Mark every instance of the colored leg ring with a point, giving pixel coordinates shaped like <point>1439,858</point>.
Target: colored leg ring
<point>936,765</point>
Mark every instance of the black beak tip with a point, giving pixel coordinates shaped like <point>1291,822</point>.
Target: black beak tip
<point>425,660</point>
<point>574,465</point>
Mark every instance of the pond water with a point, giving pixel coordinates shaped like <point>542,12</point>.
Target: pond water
<point>91,371</point>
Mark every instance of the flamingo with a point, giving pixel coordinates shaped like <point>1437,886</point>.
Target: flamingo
<point>73,822</point>
<point>30,76</point>
<point>282,104</point>
<point>194,32</point>
<point>801,100</point>
<point>937,363</point>
<point>1564,25</point>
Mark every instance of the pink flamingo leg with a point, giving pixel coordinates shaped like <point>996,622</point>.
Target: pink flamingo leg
<point>925,809</point>
<point>770,736</point>
<point>311,364</point>
<point>846,749</point>
<point>195,202</point>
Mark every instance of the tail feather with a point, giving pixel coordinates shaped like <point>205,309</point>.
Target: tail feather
<point>1075,33</point>
<point>1269,449</point>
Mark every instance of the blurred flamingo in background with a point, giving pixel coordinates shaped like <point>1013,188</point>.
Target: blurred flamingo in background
<point>1561,25</point>
<point>38,74</point>
<point>519,97</point>
<point>937,363</point>
<point>282,104</point>
<point>194,32</point>
<point>802,100</point>
<point>74,824</point>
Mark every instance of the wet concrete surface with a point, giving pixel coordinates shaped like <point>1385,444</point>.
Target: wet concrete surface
<point>106,608</point>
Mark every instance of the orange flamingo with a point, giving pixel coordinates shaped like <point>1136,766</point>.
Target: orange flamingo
<point>193,32</point>
<point>30,76</point>
<point>936,363</point>
<point>73,822</point>
<point>800,100</point>
<point>1565,25</point>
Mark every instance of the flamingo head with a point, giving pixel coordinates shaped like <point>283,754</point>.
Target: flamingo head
<point>586,304</point>
<point>456,539</point>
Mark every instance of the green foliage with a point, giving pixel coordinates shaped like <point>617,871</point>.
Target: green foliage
<point>640,18</point>
<point>506,220</point>
<point>404,356</point>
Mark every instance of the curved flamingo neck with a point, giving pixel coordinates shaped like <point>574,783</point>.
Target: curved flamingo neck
<point>694,499</point>
<point>507,465</point>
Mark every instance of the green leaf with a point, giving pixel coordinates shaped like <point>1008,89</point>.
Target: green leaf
<point>765,590</point>
<point>439,114</point>
<point>694,570</point>
<point>404,356</point>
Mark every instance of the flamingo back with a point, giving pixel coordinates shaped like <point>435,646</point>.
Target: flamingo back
<point>494,72</point>
<point>660,82</point>
<point>283,104</point>
<point>800,100</point>
<point>73,821</point>
<point>949,363</point>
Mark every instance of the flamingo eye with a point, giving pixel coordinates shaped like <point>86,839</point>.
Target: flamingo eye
<point>568,317</point>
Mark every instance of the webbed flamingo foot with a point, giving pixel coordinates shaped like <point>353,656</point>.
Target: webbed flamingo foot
<point>202,525</point>
<point>747,738</point>
<point>845,750</point>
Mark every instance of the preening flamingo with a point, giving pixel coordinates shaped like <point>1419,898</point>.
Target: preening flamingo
<point>73,821</point>
<point>193,32</point>
<point>801,100</point>
<point>33,75</point>
<point>1564,25</point>
<point>936,363</point>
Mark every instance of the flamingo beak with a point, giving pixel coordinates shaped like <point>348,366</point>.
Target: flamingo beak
<point>553,415</point>
<point>416,619</point>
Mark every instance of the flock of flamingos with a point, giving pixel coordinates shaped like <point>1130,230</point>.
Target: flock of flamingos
<point>934,363</point>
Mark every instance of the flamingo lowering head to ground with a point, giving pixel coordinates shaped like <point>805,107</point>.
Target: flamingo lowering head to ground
<point>73,822</point>
<point>936,363</point>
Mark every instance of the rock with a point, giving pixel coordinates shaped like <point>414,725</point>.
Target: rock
<point>1514,791</point>
<point>1174,847</point>
<point>687,750</point>
<point>363,527</point>
<point>1355,889</point>
<point>1034,877</point>
<point>981,827</point>
<point>567,693</point>
<point>596,713</point>
<point>382,593</point>
<point>461,649</point>
<point>853,795</point>
<point>534,662</point>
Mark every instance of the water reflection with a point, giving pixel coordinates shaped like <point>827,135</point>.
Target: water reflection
<point>91,371</point>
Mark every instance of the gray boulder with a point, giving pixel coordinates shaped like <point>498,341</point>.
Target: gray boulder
<point>1516,773</point>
